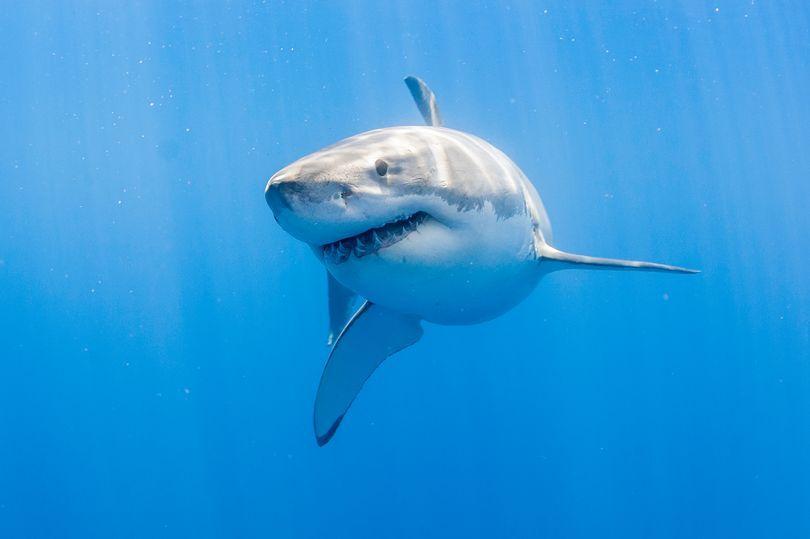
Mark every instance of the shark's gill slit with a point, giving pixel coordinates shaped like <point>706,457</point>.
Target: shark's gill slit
<point>372,240</point>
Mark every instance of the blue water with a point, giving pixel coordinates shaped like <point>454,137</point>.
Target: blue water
<point>161,338</point>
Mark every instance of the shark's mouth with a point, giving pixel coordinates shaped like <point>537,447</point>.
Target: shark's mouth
<point>371,241</point>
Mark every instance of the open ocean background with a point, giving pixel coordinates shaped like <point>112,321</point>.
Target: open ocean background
<point>161,338</point>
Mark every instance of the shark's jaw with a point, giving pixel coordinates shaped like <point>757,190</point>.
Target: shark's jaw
<point>372,240</point>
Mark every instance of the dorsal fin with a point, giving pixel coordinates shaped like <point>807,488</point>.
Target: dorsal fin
<point>425,100</point>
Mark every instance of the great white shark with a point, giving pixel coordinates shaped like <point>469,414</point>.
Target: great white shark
<point>421,223</point>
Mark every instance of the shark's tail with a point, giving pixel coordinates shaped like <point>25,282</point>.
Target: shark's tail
<point>548,252</point>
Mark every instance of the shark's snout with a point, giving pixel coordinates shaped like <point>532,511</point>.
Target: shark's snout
<point>300,194</point>
<point>314,210</point>
<point>278,195</point>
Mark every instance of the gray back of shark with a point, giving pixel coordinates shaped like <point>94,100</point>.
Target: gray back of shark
<point>468,240</point>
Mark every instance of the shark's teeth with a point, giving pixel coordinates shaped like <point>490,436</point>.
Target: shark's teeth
<point>371,241</point>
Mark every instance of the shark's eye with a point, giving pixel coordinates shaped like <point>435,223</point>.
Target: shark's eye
<point>381,166</point>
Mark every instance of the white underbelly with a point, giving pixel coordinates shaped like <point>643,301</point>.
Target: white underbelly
<point>472,272</point>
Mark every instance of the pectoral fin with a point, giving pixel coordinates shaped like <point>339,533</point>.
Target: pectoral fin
<point>342,303</point>
<point>569,260</point>
<point>373,334</point>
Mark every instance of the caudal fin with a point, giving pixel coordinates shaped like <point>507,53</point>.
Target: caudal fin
<point>550,253</point>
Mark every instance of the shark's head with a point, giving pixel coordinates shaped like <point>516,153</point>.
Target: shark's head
<point>358,185</point>
<point>382,212</point>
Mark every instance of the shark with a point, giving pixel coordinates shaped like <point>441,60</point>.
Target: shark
<point>415,224</point>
